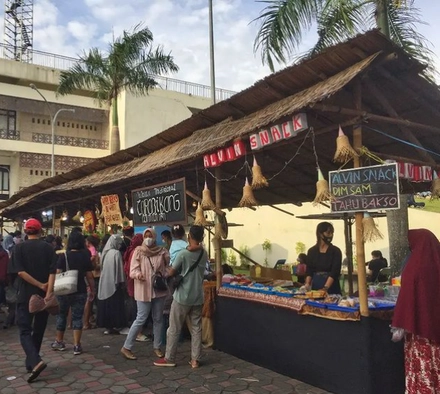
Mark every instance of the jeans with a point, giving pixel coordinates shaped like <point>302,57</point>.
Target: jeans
<point>76,303</point>
<point>31,328</point>
<point>178,314</point>
<point>143,310</point>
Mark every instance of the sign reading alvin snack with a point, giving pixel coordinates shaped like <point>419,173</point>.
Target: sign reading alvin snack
<point>111,209</point>
<point>160,204</point>
<point>283,131</point>
<point>230,153</point>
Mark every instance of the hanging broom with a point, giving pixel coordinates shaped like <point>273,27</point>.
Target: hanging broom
<point>248,200</point>
<point>435,187</point>
<point>77,217</point>
<point>200,217</point>
<point>344,151</point>
<point>258,179</point>
<point>322,190</point>
<point>370,232</point>
<point>207,202</point>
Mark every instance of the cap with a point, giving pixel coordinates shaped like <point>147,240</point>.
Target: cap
<point>32,224</point>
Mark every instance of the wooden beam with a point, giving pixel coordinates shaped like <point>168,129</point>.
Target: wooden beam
<point>371,86</point>
<point>281,210</point>
<point>379,118</point>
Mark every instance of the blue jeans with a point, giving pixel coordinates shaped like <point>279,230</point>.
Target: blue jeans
<point>32,329</point>
<point>143,310</point>
<point>76,303</point>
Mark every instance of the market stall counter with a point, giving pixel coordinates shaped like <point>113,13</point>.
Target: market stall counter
<point>347,356</point>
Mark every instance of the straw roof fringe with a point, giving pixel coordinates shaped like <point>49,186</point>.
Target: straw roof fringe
<point>209,139</point>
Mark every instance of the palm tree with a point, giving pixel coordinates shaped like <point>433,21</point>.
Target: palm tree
<point>131,63</point>
<point>284,21</point>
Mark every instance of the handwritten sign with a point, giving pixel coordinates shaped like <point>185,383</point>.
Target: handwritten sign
<point>360,189</point>
<point>160,204</point>
<point>111,209</point>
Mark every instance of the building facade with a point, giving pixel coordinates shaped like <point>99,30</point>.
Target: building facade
<point>80,136</point>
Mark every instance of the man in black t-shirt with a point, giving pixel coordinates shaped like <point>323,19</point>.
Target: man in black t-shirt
<point>35,262</point>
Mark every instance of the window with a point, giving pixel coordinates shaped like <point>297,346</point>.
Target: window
<point>4,182</point>
<point>7,121</point>
<point>31,172</point>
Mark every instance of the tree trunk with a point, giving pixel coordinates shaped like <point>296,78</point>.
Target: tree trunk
<point>382,17</point>
<point>398,235</point>
<point>115,144</point>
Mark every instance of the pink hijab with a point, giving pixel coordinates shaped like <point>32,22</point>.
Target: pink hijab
<point>417,309</point>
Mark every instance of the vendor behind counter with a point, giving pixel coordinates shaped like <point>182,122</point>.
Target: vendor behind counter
<point>324,261</point>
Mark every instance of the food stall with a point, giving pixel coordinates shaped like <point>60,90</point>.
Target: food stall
<point>331,347</point>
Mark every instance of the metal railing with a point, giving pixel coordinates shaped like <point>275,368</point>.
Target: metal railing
<point>61,62</point>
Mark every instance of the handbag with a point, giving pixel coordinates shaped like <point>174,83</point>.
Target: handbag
<point>38,304</point>
<point>158,281</point>
<point>66,282</point>
<point>178,279</point>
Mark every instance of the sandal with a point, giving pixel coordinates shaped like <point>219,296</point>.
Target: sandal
<point>142,338</point>
<point>194,364</point>
<point>40,367</point>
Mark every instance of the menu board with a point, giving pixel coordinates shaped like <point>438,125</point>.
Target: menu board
<point>160,204</point>
<point>374,188</point>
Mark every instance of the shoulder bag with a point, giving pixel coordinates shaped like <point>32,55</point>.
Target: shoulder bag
<point>179,278</point>
<point>66,282</point>
<point>158,281</point>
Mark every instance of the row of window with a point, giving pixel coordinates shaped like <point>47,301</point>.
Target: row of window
<point>65,124</point>
<point>42,173</point>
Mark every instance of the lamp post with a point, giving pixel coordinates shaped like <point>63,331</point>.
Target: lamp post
<point>53,119</point>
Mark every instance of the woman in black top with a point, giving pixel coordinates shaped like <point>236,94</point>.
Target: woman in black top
<point>78,258</point>
<point>324,262</point>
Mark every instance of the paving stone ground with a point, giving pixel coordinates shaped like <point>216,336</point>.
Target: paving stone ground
<point>102,370</point>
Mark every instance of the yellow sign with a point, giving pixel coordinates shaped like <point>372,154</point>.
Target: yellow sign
<point>111,210</point>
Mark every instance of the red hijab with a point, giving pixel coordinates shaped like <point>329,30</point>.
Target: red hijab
<point>417,309</point>
<point>135,242</point>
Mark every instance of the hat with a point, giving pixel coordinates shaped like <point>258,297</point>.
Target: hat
<point>152,231</point>
<point>32,224</point>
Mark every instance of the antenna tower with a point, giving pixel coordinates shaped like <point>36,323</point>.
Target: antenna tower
<point>19,30</point>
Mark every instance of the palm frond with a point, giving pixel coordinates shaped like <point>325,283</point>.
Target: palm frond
<point>404,20</point>
<point>282,25</point>
<point>90,73</point>
<point>338,21</point>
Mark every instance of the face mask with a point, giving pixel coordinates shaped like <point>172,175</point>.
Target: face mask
<point>148,241</point>
<point>327,240</point>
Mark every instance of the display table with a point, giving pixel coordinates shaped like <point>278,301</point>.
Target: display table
<point>344,357</point>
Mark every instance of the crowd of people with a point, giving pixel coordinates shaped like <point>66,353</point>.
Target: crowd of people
<point>117,287</point>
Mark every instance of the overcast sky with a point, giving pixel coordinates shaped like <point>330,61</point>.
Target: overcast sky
<point>68,27</point>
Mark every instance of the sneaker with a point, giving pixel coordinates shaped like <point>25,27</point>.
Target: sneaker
<point>159,353</point>
<point>77,349</point>
<point>60,346</point>
<point>163,362</point>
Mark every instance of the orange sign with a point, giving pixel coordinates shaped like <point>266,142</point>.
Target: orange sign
<point>111,210</point>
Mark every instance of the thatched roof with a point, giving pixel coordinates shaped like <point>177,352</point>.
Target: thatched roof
<point>327,78</point>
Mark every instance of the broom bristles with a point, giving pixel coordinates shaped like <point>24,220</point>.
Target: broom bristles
<point>322,192</point>
<point>248,199</point>
<point>435,188</point>
<point>207,202</point>
<point>370,232</point>
<point>258,179</point>
<point>344,151</point>
<point>200,219</point>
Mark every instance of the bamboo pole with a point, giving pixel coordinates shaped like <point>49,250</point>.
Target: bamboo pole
<point>217,238</point>
<point>360,247</point>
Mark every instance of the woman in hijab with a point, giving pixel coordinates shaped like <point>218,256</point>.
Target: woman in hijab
<point>111,307</point>
<point>147,260</point>
<point>128,254</point>
<point>417,313</point>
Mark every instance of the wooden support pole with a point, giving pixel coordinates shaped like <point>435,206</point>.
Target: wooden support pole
<point>281,210</point>
<point>217,247</point>
<point>370,116</point>
<point>360,247</point>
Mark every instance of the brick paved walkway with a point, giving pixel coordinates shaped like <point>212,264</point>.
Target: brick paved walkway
<point>102,370</point>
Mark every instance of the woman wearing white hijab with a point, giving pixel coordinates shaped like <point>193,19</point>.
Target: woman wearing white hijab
<point>111,305</point>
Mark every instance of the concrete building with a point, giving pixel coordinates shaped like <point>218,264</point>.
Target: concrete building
<point>25,121</point>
